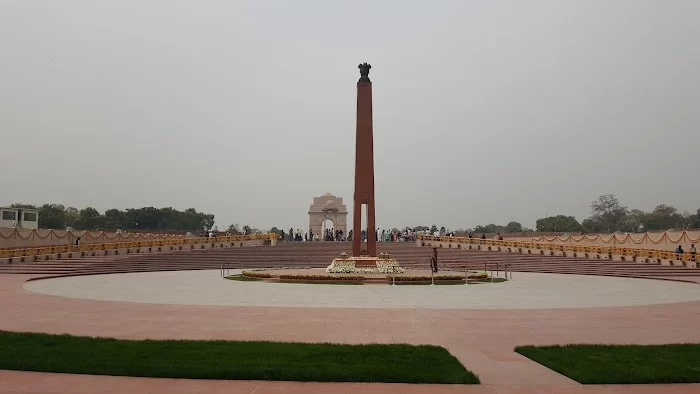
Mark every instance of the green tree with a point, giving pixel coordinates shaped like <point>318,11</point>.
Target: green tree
<point>89,219</point>
<point>558,223</point>
<point>115,219</point>
<point>71,215</point>
<point>514,227</point>
<point>18,205</point>
<point>433,229</point>
<point>663,217</point>
<point>634,220</point>
<point>695,220</point>
<point>52,216</point>
<point>607,214</point>
<point>489,228</point>
<point>56,216</point>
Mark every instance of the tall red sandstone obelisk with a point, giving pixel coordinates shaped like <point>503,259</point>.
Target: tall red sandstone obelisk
<point>364,168</point>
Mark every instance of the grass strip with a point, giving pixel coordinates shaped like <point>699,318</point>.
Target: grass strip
<point>396,363</point>
<point>620,364</point>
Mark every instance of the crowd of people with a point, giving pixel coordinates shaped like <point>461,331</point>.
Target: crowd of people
<point>337,235</point>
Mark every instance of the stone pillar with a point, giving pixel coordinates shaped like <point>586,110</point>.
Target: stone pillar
<point>364,167</point>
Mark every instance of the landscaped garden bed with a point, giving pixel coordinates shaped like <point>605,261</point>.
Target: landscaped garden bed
<point>323,277</point>
<point>319,276</point>
<point>257,274</point>
<point>305,362</point>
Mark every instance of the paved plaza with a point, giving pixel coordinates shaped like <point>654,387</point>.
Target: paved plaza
<point>525,291</point>
<point>201,305</point>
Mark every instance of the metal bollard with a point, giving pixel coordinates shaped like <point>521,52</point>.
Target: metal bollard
<point>466,273</point>
<point>432,277</point>
<point>393,280</point>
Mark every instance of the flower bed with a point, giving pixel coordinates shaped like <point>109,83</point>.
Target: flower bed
<point>322,277</point>
<point>341,266</point>
<point>478,275</point>
<point>347,266</point>
<point>255,274</point>
<point>389,267</point>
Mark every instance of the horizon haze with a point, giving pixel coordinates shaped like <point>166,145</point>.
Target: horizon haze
<point>484,111</point>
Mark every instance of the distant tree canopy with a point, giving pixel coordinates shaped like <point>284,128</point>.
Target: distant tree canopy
<point>608,216</point>
<point>558,223</point>
<point>56,216</point>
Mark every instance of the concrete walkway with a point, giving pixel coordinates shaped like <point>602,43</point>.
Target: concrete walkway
<point>526,291</point>
<point>482,339</point>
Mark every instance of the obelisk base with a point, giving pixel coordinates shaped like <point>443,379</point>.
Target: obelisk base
<point>365,261</point>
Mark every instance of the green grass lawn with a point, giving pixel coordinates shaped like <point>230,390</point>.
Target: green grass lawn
<point>620,364</point>
<point>231,359</point>
<point>487,280</point>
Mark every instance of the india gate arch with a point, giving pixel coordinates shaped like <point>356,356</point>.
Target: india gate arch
<point>325,207</point>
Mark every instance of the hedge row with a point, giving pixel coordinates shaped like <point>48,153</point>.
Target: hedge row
<point>321,277</point>
<point>254,274</point>
<point>425,278</point>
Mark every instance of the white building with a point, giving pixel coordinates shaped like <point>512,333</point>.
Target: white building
<point>19,217</point>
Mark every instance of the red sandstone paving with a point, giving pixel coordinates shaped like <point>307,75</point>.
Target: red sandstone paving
<point>483,340</point>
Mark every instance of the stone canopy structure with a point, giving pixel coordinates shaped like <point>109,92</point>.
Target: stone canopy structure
<point>327,207</point>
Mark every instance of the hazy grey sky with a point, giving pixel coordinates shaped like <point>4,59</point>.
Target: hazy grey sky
<point>484,111</point>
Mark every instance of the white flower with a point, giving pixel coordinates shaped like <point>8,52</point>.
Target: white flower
<point>347,266</point>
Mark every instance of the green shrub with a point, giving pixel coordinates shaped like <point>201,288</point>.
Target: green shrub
<point>425,278</point>
<point>320,277</point>
<point>254,274</point>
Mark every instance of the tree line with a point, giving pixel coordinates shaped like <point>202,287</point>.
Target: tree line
<point>57,216</point>
<point>608,215</point>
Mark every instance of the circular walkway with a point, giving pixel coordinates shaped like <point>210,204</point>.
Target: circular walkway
<point>526,291</point>
<point>482,339</point>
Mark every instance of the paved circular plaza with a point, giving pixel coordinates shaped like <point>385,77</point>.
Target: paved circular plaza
<point>472,322</point>
<point>526,291</point>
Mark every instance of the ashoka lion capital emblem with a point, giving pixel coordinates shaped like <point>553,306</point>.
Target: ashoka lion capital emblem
<point>364,71</point>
